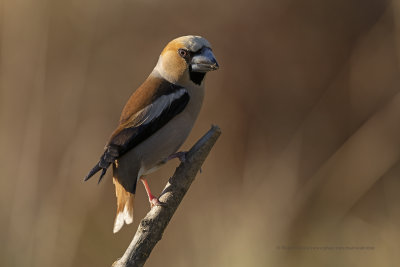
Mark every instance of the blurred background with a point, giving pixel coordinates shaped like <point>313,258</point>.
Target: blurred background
<point>306,172</point>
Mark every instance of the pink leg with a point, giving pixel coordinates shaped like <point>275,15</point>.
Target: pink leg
<point>152,199</point>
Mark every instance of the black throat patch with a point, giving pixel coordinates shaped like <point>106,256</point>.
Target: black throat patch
<point>196,77</point>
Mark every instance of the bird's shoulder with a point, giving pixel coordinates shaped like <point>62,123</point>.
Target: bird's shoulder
<point>152,89</point>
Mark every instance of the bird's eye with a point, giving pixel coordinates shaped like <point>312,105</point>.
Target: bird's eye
<point>183,53</point>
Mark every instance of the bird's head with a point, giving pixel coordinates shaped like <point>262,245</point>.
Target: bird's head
<point>186,59</point>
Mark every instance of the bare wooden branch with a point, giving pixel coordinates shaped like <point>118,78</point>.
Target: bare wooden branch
<point>151,228</point>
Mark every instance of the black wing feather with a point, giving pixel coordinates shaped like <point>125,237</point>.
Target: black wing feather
<point>128,138</point>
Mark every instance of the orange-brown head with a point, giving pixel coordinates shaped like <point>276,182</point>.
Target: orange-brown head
<point>186,60</point>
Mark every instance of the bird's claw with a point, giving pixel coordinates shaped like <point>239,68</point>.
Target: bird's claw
<point>180,155</point>
<point>156,202</point>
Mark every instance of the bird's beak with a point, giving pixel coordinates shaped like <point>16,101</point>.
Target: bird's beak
<point>204,61</point>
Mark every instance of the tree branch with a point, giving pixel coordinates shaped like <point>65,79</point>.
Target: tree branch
<point>151,228</point>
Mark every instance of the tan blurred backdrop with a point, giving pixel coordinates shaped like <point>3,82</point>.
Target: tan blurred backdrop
<point>306,172</point>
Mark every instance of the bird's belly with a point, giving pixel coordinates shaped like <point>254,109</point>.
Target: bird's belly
<point>157,148</point>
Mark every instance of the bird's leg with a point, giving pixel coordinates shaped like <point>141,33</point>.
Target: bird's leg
<point>152,199</point>
<point>181,155</point>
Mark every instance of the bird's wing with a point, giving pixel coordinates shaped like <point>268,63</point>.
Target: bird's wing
<point>148,120</point>
<point>137,127</point>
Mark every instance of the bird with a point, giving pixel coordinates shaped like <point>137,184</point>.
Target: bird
<point>156,120</point>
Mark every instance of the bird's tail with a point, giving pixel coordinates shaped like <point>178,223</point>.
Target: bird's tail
<point>125,201</point>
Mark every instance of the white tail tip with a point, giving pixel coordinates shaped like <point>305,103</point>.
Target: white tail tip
<point>122,217</point>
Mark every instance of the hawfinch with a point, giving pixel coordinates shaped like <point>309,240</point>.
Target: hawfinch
<point>156,120</point>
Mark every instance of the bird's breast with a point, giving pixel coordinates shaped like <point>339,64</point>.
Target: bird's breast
<point>167,140</point>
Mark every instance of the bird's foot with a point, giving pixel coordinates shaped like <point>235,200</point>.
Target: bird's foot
<point>181,155</point>
<point>155,202</point>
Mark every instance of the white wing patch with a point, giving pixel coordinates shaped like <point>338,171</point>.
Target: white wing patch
<point>154,110</point>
